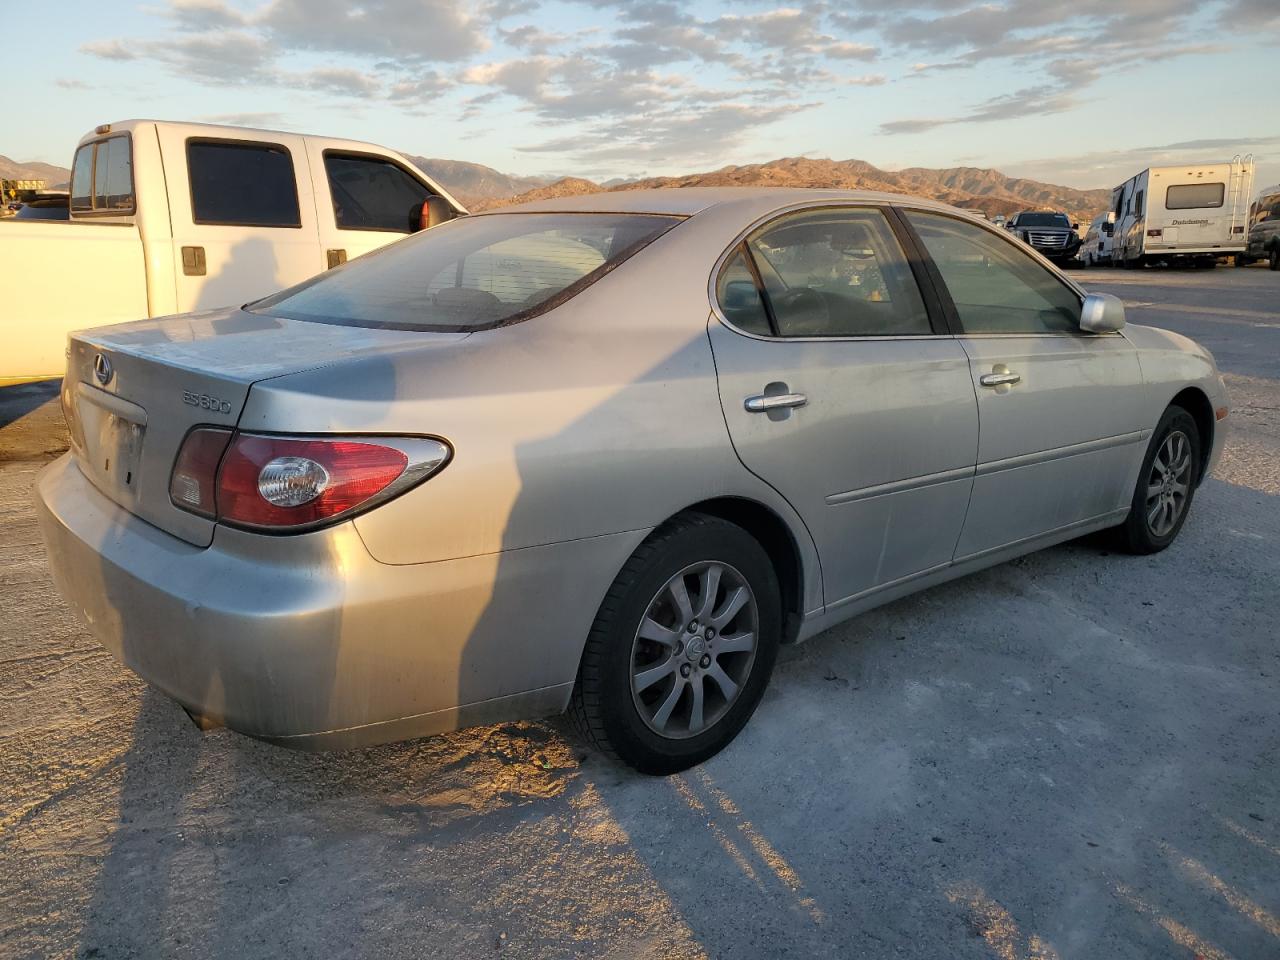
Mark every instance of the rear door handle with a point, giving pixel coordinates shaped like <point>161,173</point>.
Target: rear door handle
<point>999,379</point>
<point>764,403</point>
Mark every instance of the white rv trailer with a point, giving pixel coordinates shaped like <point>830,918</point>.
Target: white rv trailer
<point>1194,212</point>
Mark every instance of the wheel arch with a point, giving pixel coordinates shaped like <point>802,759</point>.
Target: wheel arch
<point>1196,402</point>
<point>779,542</point>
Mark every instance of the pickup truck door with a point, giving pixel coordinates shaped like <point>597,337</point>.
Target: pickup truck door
<point>243,214</point>
<point>363,200</point>
<point>1060,410</point>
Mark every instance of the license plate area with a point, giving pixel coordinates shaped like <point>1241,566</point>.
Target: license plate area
<point>113,431</point>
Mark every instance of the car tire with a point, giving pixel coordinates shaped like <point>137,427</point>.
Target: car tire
<point>636,698</point>
<point>1240,260</point>
<point>1273,260</point>
<point>1166,485</point>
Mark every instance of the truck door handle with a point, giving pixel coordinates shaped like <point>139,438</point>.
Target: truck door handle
<point>763,403</point>
<point>999,379</point>
<point>193,262</point>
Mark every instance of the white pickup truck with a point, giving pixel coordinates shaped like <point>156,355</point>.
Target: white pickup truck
<point>175,217</point>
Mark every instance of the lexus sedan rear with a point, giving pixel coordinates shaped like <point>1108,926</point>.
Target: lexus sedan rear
<point>602,454</point>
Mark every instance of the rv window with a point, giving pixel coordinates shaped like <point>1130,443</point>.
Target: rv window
<point>1137,203</point>
<point>1192,196</point>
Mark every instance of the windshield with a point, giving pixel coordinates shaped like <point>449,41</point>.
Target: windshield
<point>472,273</point>
<point>1043,220</point>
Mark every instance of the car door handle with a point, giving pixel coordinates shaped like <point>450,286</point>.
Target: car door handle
<point>999,379</point>
<point>763,403</point>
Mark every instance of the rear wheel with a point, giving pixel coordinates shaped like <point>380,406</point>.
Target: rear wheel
<point>1166,484</point>
<point>682,648</point>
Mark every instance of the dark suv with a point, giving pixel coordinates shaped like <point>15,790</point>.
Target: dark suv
<point>1050,234</point>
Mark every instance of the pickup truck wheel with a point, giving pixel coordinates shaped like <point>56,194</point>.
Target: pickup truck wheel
<point>1240,260</point>
<point>1166,484</point>
<point>682,648</point>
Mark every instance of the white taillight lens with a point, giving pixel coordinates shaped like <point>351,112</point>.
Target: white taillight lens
<point>292,481</point>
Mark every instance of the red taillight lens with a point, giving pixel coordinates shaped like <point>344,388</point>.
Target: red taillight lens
<point>1237,229</point>
<point>1156,233</point>
<point>282,483</point>
<point>192,483</point>
<point>277,482</point>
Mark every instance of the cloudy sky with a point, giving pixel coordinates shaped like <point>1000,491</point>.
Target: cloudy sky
<point>1083,92</point>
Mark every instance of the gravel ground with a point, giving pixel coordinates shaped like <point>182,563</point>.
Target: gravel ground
<point>1069,756</point>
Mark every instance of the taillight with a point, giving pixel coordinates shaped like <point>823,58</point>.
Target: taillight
<point>191,485</point>
<point>1158,232</point>
<point>279,483</point>
<point>1237,229</point>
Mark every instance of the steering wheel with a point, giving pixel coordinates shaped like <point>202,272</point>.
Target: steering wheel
<point>801,310</point>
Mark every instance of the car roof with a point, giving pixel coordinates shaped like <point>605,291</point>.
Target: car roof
<point>688,201</point>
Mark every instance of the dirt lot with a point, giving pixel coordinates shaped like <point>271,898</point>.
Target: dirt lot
<point>1075,755</point>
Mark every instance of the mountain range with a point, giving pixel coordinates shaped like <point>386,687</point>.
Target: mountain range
<point>53,176</point>
<point>977,188</point>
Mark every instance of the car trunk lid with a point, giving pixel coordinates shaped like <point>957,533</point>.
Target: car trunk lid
<point>133,391</point>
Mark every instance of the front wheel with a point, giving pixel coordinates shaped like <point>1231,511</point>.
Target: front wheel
<point>682,648</point>
<point>1166,484</point>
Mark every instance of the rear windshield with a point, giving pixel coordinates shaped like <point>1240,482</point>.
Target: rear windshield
<point>1043,220</point>
<point>472,273</point>
<point>1194,196</point>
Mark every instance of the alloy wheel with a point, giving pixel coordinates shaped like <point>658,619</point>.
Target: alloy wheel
<point>694,649</point>
<point>1169,484</point>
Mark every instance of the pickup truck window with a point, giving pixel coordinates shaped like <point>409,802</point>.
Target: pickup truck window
<point>242,184</point>
<point>102,177</point>
<point>370,193</point>
<point>1194,196</point>
<point>475,273</point>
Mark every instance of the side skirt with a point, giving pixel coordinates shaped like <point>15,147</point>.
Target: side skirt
<point>842,610</point>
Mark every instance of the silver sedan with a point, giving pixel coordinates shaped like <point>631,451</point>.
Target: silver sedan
<point>603,454</point>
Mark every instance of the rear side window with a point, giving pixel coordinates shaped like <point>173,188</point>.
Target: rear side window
<point>1194,196</point>
<point>373,194</point>
<point>996,285</point>
<point>102,177</point>
<point>473,273</point>
<point>833,272</point>
<point>242,184</point>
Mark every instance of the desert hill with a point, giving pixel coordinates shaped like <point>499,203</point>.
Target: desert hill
<point>53,176</point>
<point>990,191</point>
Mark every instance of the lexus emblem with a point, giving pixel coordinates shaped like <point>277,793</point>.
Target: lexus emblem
<point>102,369</point>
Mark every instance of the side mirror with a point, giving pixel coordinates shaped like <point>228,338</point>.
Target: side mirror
<point>435,211</point>
<point>1102,313</point>
<point>1075,226</point>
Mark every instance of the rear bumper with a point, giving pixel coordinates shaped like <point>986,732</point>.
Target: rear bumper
<point>310,642</point>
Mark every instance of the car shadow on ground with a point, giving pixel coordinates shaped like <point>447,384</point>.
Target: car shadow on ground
<point>1006,765</point>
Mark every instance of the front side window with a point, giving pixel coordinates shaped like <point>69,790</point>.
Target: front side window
<point>242,184</point>
<point>373,194</point>
<point>831,273</point>
<point>996,286</point>
<point>102,177</point>
<point>1194,196</point>
<point>473,273</point>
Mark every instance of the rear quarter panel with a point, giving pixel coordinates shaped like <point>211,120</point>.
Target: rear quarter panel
<point>599,417</point>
